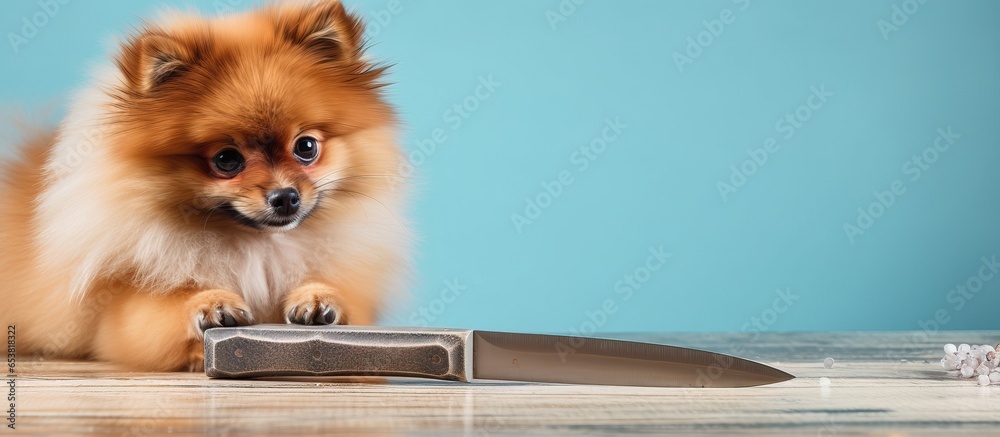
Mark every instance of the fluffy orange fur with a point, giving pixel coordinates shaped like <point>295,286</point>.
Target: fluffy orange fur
<point>122,239</point>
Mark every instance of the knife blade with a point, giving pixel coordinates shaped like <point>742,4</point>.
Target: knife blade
<point>469,355</point>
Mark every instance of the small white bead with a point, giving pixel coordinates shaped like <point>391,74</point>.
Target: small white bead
<point>828,363</point>
<point>964,347</point>
<point>982,370</point>
<point>995,377</point>
<point>984,380</point>
<point>952,362</point>
<point>950,348</point>
<point>967,371</point>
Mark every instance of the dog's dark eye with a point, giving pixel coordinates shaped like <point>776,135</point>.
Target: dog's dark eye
<point>306,149</point>
<point>228,162</point>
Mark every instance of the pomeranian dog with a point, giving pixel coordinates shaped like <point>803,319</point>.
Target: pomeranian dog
<point>219,172</point>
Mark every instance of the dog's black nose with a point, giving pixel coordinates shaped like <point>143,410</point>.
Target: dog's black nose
<point>284,201</point>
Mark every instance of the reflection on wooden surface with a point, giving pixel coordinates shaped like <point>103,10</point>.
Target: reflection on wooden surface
<point>871,390</point>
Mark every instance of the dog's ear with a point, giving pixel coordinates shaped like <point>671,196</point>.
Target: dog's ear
<point>323,27</point>
<point>152,59</point>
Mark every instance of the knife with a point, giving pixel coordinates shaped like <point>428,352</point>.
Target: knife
<point>468,355</point>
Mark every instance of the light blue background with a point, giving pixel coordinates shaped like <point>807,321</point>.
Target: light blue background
<point>656,185</point>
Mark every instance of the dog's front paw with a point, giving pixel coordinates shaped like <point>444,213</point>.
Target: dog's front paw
<point>214,308</point>
<point>314,304</point>
<point>210,309</point>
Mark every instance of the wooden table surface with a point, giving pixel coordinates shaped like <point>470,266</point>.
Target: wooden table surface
<point>871,392</point>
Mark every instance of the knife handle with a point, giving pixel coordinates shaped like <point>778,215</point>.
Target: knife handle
<point>293,350</point>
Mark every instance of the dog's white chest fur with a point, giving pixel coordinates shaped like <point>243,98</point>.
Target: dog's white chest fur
<point>261,269</point>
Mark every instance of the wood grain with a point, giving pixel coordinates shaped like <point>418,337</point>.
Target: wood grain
<point>871,392</point>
